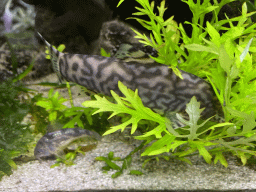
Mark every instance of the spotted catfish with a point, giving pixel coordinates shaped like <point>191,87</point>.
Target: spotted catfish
<point>158,86</point>
<point>52,144</point>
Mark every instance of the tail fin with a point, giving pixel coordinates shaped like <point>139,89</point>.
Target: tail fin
<point>55,54</point>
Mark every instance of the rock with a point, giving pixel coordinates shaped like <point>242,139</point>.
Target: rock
<point>25,51</point>
<point>74,23</point>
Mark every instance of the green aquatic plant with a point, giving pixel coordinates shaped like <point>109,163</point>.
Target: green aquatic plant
<point>195,136</point>
<point>221,57</point>
<point>126,163</point>
<point>73,116</point>
<point>53,104</point>
<point>68,159</point>
<point>15,135</point>
<point>164,37</point>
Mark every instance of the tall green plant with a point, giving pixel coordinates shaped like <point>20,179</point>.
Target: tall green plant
<point>228,67</point>
<point>164,37</point>
<point>14,135</point>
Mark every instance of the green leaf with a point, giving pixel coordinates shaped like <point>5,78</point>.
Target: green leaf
<point>104,53</point>
<point>135,172</point>
<point>219,157</point>
<point>169,127</point>
<point>75,120</point>
<point>52,116</point>
<point>11,163</point>
<point>117,159</point>
<point>160,146</point>
<point>70,156</point>
<point>121,1</point>
<point>225,60</point>
<point>194,111</point>
<point>242,157</point>
<point>246,50</point>
<point>249,123</point>
<point>206,155</point>
<point>45,104</point>
<point>106,168</point>
<point>215,36</point>
<point>177,72</point>
<point>111,155</point>
<point>100,158</point>
<point>112,165</point>
<point>55,165</point>
<point>24,73</point>
<point>234,72</point>
<point>128,161</point>
<point>115,175</point>
<point>167,158</point>
<point>232,34</point>
<point>231,130</point>
<point>130,104</point>
<point>185,160</point>
<point>61,47</point>
<point>145,162</point>
<point>185,153</point>
<point>196,47</point>
<point>156,131</point>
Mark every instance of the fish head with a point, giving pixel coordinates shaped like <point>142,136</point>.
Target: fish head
<point>42,151</point>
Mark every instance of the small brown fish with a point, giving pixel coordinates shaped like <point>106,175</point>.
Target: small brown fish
<point>52,144</point>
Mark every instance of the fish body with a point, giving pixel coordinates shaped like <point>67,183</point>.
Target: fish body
<point>52,144</point>
<point>158,86</point>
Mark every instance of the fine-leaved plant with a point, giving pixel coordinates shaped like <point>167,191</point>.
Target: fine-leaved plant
<point>220,54</point>
<point>15,134</point>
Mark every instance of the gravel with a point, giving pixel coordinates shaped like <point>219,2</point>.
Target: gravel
<point>87,173</point>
